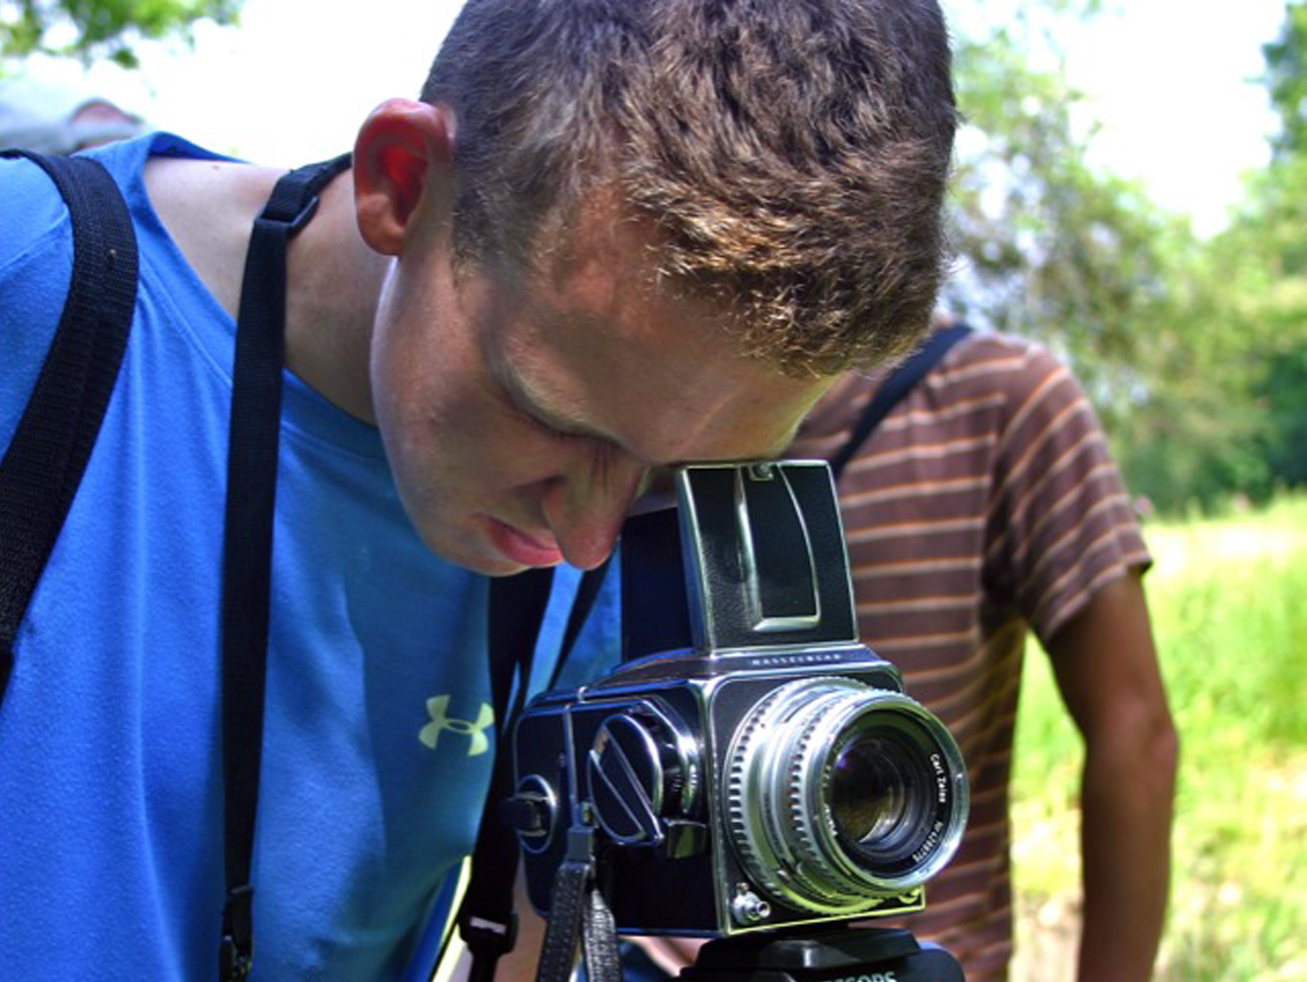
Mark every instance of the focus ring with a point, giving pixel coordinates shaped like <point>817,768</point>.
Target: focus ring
<point>775,840</point>
<point>757,856</point>
<point>840,889</point>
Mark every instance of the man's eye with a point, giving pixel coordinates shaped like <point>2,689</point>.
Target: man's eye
<point>557,433</point>
<point>527,418</point>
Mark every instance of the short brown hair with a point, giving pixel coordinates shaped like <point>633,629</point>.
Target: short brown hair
<point>792,153</point>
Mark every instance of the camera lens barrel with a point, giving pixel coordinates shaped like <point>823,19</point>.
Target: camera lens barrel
<point>840,794</point>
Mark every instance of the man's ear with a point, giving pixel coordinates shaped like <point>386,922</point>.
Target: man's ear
<point>404,152</point>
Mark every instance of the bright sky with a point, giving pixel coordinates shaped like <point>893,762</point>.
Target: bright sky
<point>1172,81</point>
<point>1175,85</point>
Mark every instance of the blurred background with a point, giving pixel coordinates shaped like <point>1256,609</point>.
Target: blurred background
<point>1131,190</point>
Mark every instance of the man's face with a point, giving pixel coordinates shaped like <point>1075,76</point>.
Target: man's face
<point>521,416</point>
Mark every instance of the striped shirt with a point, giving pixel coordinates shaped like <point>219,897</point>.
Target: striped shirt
<point>985,504</point>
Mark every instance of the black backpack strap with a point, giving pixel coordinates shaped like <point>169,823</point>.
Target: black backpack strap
<point>897,385</point>
<point>52,443</point>
<point>247,543</point>
<point>587,592</point>
<point>486,920</point>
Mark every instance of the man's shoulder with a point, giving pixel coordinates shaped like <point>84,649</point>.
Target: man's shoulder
<point>35,214</point>
<point>996,358</point>
<point>36,255</point>
<point>1011,374</point>
<point>35,264</point>
<point>126,159</point>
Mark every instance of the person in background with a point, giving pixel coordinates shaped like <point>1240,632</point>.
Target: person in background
<point>983,508</point>
<point>54,118</point>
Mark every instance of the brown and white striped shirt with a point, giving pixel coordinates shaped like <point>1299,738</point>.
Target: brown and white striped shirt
<point>984,504</point>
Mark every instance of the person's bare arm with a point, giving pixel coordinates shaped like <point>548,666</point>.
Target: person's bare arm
<point>1106,668</point>
<point>520,964</point>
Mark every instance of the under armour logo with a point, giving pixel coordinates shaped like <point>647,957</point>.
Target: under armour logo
<point>437,709</point>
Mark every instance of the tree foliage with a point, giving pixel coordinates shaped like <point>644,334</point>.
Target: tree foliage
<point>91,29</point>
<point>1255,278</point>
<point>1286,80</point>
<point>1049,247</point>
<point>1194,351</point>
<point>1264,255</point>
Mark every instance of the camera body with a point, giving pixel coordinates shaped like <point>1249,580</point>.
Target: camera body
<point>768,770</point>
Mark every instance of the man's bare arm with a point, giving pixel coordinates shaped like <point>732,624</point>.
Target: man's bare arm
<point>1106,668</point>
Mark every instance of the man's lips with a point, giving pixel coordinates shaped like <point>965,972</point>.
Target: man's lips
<point>520,548</point>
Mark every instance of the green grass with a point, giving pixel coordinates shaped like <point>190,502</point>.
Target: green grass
<point>1229,606</point>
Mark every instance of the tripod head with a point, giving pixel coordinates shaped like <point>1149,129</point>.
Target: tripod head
<point>835,955</point>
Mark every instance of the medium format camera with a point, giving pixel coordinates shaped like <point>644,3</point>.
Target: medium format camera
<point>750,765</point>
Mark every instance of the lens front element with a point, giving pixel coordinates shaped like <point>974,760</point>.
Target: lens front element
<point>841,794</point>
<point>876,801</point>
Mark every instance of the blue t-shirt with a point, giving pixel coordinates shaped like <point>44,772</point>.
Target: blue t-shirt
<point>378,733</point>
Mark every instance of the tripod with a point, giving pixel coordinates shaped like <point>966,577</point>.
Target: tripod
<point>840,955</point>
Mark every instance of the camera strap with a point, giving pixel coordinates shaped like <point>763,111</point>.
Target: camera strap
<point>578,911</point>
<point>255,429</point>
<point>485,919</point>
<point>897,385</point>
<point>52,443</point>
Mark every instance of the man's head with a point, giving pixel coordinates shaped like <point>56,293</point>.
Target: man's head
<point>793,154</point>
<point>636,234</point>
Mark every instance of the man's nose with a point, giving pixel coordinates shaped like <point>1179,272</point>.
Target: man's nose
<point>585,509</point>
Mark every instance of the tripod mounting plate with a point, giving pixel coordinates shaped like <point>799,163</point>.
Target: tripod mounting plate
<point>840,955</point>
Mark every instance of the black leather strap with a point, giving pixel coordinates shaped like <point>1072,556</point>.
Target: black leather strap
<point>897,385</point>
<point>486,921</point>
<point>571,891</point>
<point>247,544</point>
<point>578,910</point>
<point>52,443</point>
<point>603,960</point>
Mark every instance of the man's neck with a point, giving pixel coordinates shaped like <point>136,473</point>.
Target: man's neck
<point>334,282</point>
<point>334,279</point>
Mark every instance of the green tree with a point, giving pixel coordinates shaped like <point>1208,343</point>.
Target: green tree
<point>91,29</point>
<point>1050,248</point>
<point>1286,79</point>
<point>1226,409</point>
<point>1266,248</point>
<point>1194,352</point>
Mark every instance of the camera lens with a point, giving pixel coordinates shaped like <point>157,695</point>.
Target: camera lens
<point>881,790</point>
<point>841,794</point>
<point>875,800</point>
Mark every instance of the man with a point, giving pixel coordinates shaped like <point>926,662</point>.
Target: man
<point>611,235</point>
<point>984,506</point>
